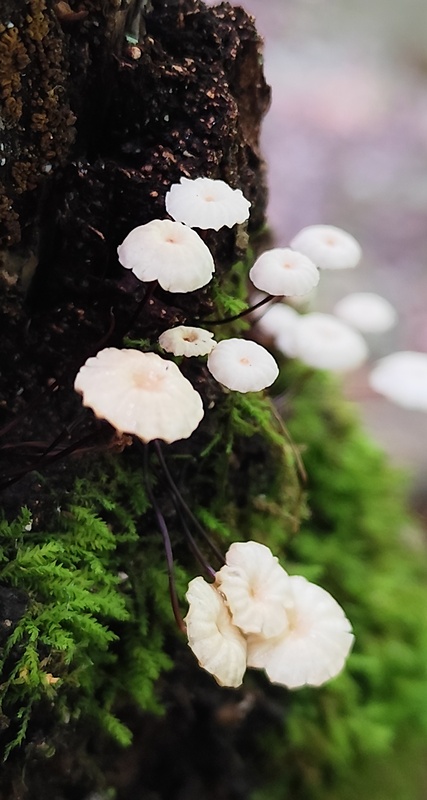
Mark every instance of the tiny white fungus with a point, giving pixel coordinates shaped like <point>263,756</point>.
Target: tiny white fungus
<point>328,247</point>
<point>242,365</point>
<point>140,393</point>
<point>218,645</point>
<point>274,320</point>
<point>314,648</point>
<point>185,340</point>
<point>325,342</point>
<point>256,588</point>
<point>283,271</point>
<point>205,203</point>
<point>366,311</point>
<point>168,252</point>
<point>402,378</point>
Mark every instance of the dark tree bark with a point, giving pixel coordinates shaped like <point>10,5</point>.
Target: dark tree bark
<point>106,104</point>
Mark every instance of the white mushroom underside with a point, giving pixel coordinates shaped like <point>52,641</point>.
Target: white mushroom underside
<point>316,646</point>
<point>168,252</point>
<point>140,393</point>
<point>217,644</point>
<point>256,588</point>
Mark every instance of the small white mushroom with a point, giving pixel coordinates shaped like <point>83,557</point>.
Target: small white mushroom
<point>314,648</point>
<point>185,340</point>
<point>242,365</point>
<point>402,378</point>
<point>277,324</point>
<point>325,342</point>
<point>218,645</point>
<point>366,311</point>
<point>328,247</point>
<point>168,252</point>
<point>206,203</point>
<point>140,393</point>
<point>283,271</point>
<point>256,588</point>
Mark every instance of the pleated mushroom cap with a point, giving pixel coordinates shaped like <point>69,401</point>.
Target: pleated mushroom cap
<point>242,365</point>
<point>185,340</point>
<point>205,203</point>
<point>325,342</point>
<point>402,378</point>
<point>283,271</point>
<point>366,311</point>
<point>168,252</point>
<point>328,247</point>
<point>256,588</point>
<point>314,648</point>
<point>218,645</point>
<point>141,394</point>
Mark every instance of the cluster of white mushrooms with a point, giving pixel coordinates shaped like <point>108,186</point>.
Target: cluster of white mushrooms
<point>146,395</point>
<point>256,615</point>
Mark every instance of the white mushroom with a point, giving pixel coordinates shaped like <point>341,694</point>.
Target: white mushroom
<point>187,341</point>
<point>140,393</point>
<point>367,311</point>
<point>218,645</point>
<point>402,378</point>
<point>328,247</point>
<point>325,342</point>
<point>242,365</point>
<point>283,271</point>
<point>168,252</point>
<point>275,319</point>
<point>314,648</point>
<point>206,203</point>
<point>256,588</point>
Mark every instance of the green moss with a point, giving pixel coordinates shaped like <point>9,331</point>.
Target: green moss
<point>87,634</point>
<point>348,739</point>
<point>98,630</point>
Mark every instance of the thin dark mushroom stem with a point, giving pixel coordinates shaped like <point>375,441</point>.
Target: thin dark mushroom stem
<point>163,528</point>
<point>152,286</point>
<point>192,542</point>
<point>268,299</point>
<point>184,505</point>
<point>50,455</point>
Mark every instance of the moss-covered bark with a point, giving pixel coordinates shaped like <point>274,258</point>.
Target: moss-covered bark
<point>107,104</point>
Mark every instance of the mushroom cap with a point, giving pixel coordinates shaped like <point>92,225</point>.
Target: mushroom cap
<point>242,365</point>
<point>329,247</point>
<point>218,645</point>
<point>325,342</point>
<point>283,271</point>
<point>256,589</point>
<point>140,393</point>
<point>168,252</point>
<point>314,648</point>
<point>366,311</point>
<point>206,203</point>
<point>277,323</point>
<point>402,378</point>
<point>185,340</point>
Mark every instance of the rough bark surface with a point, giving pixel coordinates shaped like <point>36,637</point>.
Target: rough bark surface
<point>104,105</point>
<point>96,130</point>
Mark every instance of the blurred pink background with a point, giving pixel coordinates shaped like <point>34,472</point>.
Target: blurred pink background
<point>346,144</point>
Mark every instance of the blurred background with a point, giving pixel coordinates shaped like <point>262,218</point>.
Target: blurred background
<point>346,144</point>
